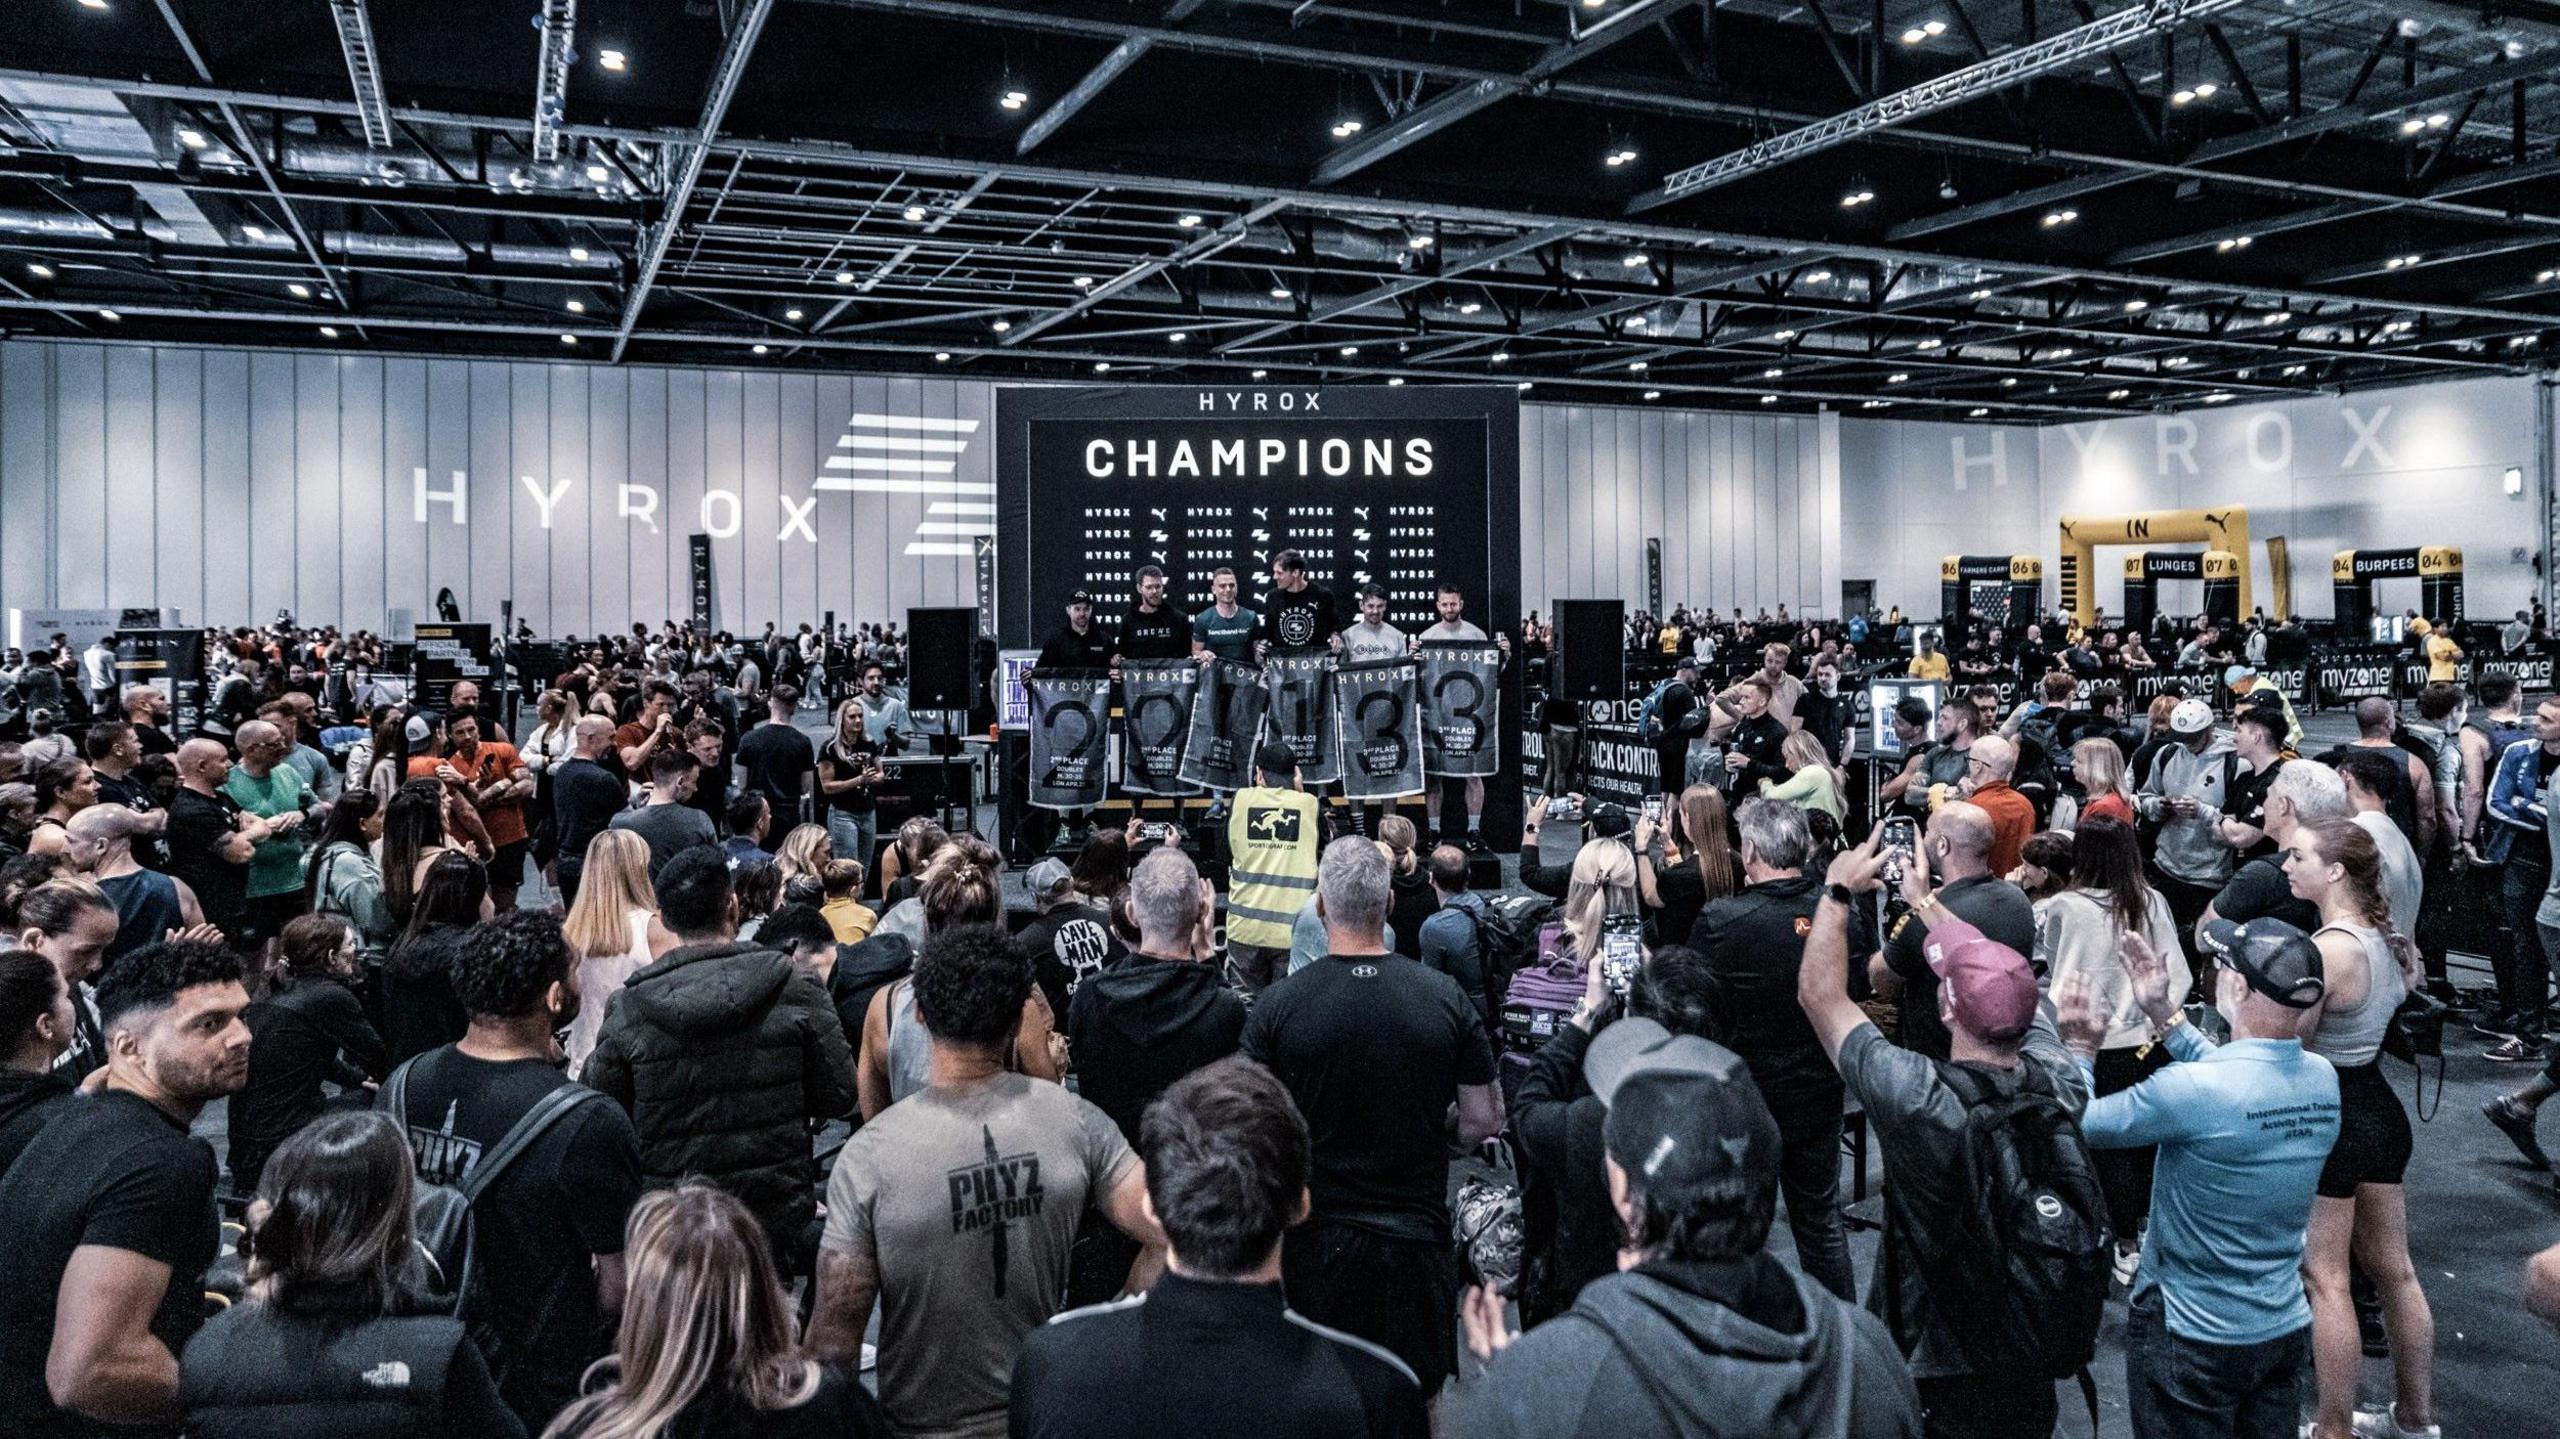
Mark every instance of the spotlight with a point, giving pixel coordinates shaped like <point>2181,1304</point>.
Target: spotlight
<point>329,332</point>
<point>1635,260</point>
<point>1855,198</point>
<point>1348,351</point>
<point>1772,373</point>
<point>2136,307</point>
<point>578,253</point>
<point>1935,28</point>
<point>1014,99</point>
<point>599,174</point>
<point>1177,337</point>
<point>2400,262</point>
<point>577,307</point>
<point>1783,336</point>
<point>1394,380</point>
<point>1001,326</point>
<point>2236,242</point>
<point>1470,307</point>
<point>1897,378</point>
<point>1931,343</point>
<point>942,357</point>
<point>1638,366</point>
<point>1620,157</point>
<point>2183,97</point>
<point>1084,282</point>
<point>1875,404</point>
<point>2119,394</point>
<point>793,313</point>
<point>2547,276</point>
<point>1502,357</point>
<point>1525,385</point>
<point>1102,367</point>
<point>257,233</point>
<point>93,4</point>
<point>844,277</point>
<point>298,290</point>
<point>1914,35</point>
<point>1946,189</point>
<point>1653,394</point>
<point>1418,242</point>
<point>2066,352</point>
<point>1637,322</point>
<point>2207,90</point>
<point>2059,217</point>
<point>1189,222</point>
<point>916,214</point>
<point>1977,413</point>
<point>1345,129</point>
<point>2176,362</point>
<point>568,339</point>
<point>2439,120</point>
<point>1768,399</point>
<point>1280,292</point>
<point>2217,397</point>
<point>613,60</point>
<point>1258,374</point>
<point>1979,295</point>
<point>2412,125</point>
<point>1816,277</point>
<point>39,270</point>
<point>192,139</point>
<point>2009,382</point>
<point>2276,317</point>
<point>2294,372</point>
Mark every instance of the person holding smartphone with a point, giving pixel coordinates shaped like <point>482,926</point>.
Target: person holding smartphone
<point>849,776</point>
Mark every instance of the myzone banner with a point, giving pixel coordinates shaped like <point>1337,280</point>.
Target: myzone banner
<point>1381,730</point>
<point>1460,697</point>
<point>1070,733</point>
<point>1226,716</point>
<point>1155,702</point>
<point>1302,713</point>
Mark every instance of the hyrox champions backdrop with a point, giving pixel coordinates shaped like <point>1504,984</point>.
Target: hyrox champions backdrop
<point>1405,487</point>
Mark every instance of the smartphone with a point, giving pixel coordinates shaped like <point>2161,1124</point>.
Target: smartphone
<point>1653,810</point>
<point>1901,841</point>
<point>1559,807</point>
<point>1621,951</point>
<point>1154,832</point>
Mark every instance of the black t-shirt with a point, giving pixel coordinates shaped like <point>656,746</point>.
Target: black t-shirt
<point>838,760</point>
<point>2259,890</point>
<point>1306,620</point>
<point>1164,635</point>
<point>1998,908</point>
<point>2247,803</point>
<point>1374,1048</point>
<point>1065,946</point>
<point>584,799</point>
<point>198,825</point>
<point>1755,942</point>
<point>154,740</point>
<point>1067,650</point>
<point>1761,740</point>
<point>111,1170</point>
<point>778,760</point>
<point>562,1201</point>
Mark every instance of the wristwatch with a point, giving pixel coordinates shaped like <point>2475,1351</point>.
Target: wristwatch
<point>1841,894</point>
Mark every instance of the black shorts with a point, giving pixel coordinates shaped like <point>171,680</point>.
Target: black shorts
<point>506,867</point>
<point>1399,1294</point>
<point>2373,1134</point>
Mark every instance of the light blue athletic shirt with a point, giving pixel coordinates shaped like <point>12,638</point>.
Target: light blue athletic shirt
<point>2243,1130</point>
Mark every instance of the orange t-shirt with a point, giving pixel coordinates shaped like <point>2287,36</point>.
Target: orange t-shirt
<point>493,761</point>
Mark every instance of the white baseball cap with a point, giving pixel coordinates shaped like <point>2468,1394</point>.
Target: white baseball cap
<point>2191,717</point>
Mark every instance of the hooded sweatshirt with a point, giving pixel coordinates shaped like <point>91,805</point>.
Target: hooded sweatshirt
<point>721,1052</point>
<point>2191,846</point>
<point>1143,1023</point>
<point>26,1102</point>
<point>1750,1350</point>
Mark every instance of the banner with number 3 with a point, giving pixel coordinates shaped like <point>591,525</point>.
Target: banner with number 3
<point>1381,730</point>
<point>1460,696</point>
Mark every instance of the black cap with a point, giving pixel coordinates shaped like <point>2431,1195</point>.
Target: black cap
<point>1081,597</point>
<point>1608,820</point>
<point>1275,757</point>
<point>1684,1118</point>
<point>2278,960</point>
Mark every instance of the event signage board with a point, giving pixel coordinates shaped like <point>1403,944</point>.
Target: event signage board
<point>444,653</point>
<point>1070,730</point>
<point>1381,733</point>
<point>1155,702</point>
<point>170,661</point>
<point>1301,713</point>
<point>1459,695</point>
<point>1226,717</point>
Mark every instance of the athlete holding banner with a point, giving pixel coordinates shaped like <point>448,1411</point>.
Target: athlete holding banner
<point>1454,783</point>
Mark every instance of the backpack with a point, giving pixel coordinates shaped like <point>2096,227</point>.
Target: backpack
<point>2018,1272</point>
<point>447,1234</point>
<point>1510,932</point>
<point>1537,1004</point>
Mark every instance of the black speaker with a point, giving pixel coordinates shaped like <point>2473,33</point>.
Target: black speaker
<point>1591,650</point>
<point>938,646</point>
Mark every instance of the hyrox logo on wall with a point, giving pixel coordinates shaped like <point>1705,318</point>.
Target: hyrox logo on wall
<point>876,454</point>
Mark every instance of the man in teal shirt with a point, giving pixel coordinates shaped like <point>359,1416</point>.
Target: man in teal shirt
<point>2218,1335</point>
<point>265,785</point>
<point>1225,629</point>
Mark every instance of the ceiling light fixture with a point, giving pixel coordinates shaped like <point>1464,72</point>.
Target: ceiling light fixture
<point>2066,352</point>
<point>1979,295</point>
<point>844,277</point>
<point>257,233</point>
<point>793,313</point>
<point>1344,129</point>
<point>613,60</point>
<point>1783,336</point>
<point>2439,120</point>
<point>1189,222</point>
<point>2295,372</point>
<point>1816,277</point>
<point>1855,198</point>
<point>2400,262</point>
<point>599,173</point>
<point>578,253</point>
<point>1394,380</point>
<point>1637,322</point>
<point>942,357</point>
<point>2136,307</point>
<point>568,339</point>
<point>2217,397</point>
<point>1875,404</point>
<point>2236,242</point>
<point>298,290</point>
<point>1620,157</point>
<point>1280,292</point>
<point>1102,367</point>
<point>2207,90</point>
<point>1525,385</point>
<point>39,270</point>
<point>1930,343</point>
<point>1001,326</point>
<point>1349,350</point>
<point>1502,357</point>
<point>1653,394</point>
<point>1470,307</point>
<point>1636,260</point>
<point>2176,362</point>
<point>2059,217</point>
<point>1977,412</point>
<point>2119,394</point>
<point>192,139</point>
<point>1419,242</point>
<point>1898,377</point>
<point>916,213</point>
<point>760,349</point>
<point>1014,99</point>
<point>1772,373</point>
<point>2276,317</point>
<point>2412,125</point>
<point>1178,336</point>
<point>1768,399</point>
<point>1258,374</point>
<point>2008,382</point>
<point>2183,97</point>
<point>1084,282</point>
<point>329,332</point>
<point>577,307</point>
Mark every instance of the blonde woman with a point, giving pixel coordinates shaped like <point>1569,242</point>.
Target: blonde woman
<point>614,927</point>
<point>708,1344</point>
<point>805,853</point>
<point>1411,899</point>
<point>848,775</point>
<point>2098,766</point>
<point>1604,883</point>
<point>1811,782</point>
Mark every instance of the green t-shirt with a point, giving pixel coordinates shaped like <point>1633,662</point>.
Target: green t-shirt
<point>275,867</point>
<point>1228,639</point>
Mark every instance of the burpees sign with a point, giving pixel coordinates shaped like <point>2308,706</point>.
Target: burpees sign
<point>877,454</point>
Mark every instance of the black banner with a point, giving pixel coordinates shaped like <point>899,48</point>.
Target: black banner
<point>1155,704</point>
<point>2350,675</point>
<point>1302,713</point>
<point>1226,715</point>
<point>1381,730</point>
<point>170,661</point>
<point>446,653</point>
<point>1460,694</point>
<point>983,553</point>
<point>1070,736</point>
<point>701,582</point>
<point>1610,764</point>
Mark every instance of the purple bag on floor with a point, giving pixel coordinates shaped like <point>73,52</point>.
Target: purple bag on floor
<point>1539,1001</point>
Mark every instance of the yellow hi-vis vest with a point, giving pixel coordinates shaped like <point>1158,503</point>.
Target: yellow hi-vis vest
<point>1271,871</point>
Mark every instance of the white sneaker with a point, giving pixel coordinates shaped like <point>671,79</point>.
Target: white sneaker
<point>2384,1423</point>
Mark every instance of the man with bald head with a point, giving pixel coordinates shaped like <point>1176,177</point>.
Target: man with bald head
<point>1956,848</point>
<point>211,841</point>
<point>1987,769</point>
<point>585,797</point>
<point>148,904</point>
<point>265,784</point>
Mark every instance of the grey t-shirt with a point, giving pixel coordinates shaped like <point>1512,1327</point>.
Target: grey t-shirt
<point>1364,641</point>
<point>968,1201</point>
<point>1460,631</point>
<point>668,829</point>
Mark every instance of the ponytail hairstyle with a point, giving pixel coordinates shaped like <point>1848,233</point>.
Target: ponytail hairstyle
<point>960,885</point>
<point>1398,835</point>
<point>2344,843</point>
<point>30,987</point>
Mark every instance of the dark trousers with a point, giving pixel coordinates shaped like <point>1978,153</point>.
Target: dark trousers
<point>1986,1406</point>
<point>2187,904</point>
<point>1809,1177</point>
<point>2523,985</point>
<point>2124,1175</point>
<point>2181,1389</point>
<point>1671,757</point>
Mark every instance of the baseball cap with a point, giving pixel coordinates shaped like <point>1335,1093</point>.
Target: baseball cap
<point>2234,674</point>
<point>1608,821</point>
<point>2191,717</point>
<point>1275,757</point>
<point>2277,959</point>
<point>1988,985</point>
<point>1684,1117</point>
<point>1688,663</point>
<point>1050,880</point>
<point>1081,597</point>
<point>422,726</point>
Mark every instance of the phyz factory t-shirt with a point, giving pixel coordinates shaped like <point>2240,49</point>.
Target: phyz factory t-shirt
<point>968,1200</point>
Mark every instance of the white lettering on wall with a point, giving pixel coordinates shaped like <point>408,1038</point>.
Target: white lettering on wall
<point>459,497</point>
<point>2368,436</point>
<point>647,514</point>
<point>796,517</point>
<point>717,529</point>
<point>2086,444</point>
<point>1996,462</point>
<point>544,502</point>
<point>2176,435</point>
<point>2259,424</point>
<point>1097,459</point>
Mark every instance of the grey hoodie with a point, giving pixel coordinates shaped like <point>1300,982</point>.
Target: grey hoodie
<point>1648,1352</point>
<point>2191,846</point>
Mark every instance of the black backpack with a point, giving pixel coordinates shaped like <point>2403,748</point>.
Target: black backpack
<point>2018,1273</point>
<point>1507,928</point>
<point>447,1234</point>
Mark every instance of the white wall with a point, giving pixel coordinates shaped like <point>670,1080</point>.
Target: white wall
<point>1913,492</point>
<point>1747,506</point>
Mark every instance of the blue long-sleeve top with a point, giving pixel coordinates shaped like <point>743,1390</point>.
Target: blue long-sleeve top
<point>2515,798</point>
<point>2243,1130</point>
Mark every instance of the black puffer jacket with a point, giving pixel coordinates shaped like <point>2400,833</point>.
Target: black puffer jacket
<point>722,1053</point>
